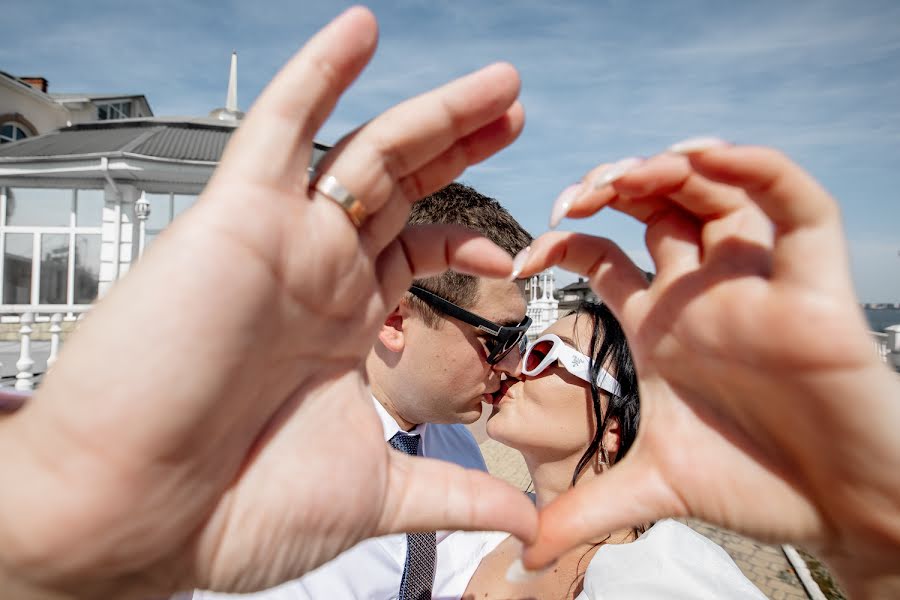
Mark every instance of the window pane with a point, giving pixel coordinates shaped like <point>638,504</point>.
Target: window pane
<point>183,202</point>
<point>159,211</point>
<point>38,206</point>
<point>90,208</point>
<point>87,268</point>
<point>17,268</point>
<point>54,268</point>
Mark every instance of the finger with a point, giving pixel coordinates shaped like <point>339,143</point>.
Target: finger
<point>644,188</point>
<point>382,226</point>
<point>427,494</point>
<point>632,493</point>
<point>673,239</point>
<point>808,236</point>
<point>382,158</point>
<point>423,250</point>
<point>274,143</point>
<point>611,273</point>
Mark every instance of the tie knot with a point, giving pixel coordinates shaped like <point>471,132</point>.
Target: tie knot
<point>406,443</point>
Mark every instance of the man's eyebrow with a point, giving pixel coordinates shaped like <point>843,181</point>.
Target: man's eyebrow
<point>509,323</point>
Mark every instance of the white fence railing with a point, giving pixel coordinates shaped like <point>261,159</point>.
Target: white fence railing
<point>22,320</point>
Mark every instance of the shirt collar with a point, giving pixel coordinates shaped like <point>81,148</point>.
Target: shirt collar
<point>391,427</point>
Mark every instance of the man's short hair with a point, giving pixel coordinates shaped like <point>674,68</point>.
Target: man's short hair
<point>459,204</point>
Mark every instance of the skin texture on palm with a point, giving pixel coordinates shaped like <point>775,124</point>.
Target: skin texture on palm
<point>751,418</point>
<point>188,436</point>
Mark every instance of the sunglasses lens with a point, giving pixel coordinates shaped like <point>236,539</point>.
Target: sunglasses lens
<point>497,349</point>
<point>538,353</point>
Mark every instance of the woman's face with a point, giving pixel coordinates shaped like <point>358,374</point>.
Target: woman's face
<point>549,416</point>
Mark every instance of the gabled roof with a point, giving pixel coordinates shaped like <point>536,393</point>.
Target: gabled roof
<point>16,83</point>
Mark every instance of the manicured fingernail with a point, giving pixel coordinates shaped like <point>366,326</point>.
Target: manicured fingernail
<point>562,204</point>
<point>517,573</point>
<point>519,262</point>
<point>697,144</point>
<point>614,172</point>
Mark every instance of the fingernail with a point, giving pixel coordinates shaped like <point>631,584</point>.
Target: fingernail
<point>614,172</point>
<point>519,262</point>
<point>517,573</point>
<point>562,204</point>
<point>697,144</point>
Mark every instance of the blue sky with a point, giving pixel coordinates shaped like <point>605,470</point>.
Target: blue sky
<point>601,80</point>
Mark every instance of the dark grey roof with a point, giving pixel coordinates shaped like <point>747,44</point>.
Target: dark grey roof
<point>581,284</point>
<point>192,140</point>
<point>76,97</point>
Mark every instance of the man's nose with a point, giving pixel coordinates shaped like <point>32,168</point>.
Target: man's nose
<point>511,364</point>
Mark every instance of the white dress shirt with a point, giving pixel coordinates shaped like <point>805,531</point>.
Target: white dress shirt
<point>373,568</point>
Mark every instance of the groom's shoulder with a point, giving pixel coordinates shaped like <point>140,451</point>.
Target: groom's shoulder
<point>454,443</point>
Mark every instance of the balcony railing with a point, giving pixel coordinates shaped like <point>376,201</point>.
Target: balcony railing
<point>31,340</point>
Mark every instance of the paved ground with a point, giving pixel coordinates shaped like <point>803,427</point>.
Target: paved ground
<point>766,566</point>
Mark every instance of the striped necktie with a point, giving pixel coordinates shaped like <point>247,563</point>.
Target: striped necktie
<point>421,548</point>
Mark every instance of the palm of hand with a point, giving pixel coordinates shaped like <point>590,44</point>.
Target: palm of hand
<point>309,302</point>
<point>699,351</point>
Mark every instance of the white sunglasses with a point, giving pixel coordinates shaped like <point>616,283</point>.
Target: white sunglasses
<point>549,348</point>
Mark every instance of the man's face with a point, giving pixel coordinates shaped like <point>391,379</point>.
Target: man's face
<point>446,367</point>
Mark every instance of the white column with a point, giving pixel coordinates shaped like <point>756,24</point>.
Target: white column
<point>119,232</point>
<point>142,210</point>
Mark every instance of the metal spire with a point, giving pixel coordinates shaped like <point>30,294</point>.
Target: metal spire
<point>231,103</point>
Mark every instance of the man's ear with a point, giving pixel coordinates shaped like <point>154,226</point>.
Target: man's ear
<point>391,335</point>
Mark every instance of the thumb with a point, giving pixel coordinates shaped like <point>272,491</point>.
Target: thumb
<point>631,493</point>
<point>425,494</point>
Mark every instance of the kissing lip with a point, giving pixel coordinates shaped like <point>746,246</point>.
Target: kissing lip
<point>503,392</point>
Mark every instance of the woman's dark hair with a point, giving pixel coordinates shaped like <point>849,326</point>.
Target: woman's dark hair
<point>609,349</point>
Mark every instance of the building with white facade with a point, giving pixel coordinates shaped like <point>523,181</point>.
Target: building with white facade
<point>28,109</point>
<point>79,202</point>
<point>543,308</point>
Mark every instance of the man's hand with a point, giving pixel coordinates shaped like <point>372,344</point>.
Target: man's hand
<point>210,424</point>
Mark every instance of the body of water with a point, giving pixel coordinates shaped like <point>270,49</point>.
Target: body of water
<point>879,319</point>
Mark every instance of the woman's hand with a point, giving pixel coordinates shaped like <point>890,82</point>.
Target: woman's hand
<point>764,407</point>
<point>210,425</point>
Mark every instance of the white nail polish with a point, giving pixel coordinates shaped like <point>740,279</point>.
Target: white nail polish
<point>517,573</point>
<point>697,144</point>
<point>614,172</point>
<point>562,204</point>
<point>519,262</point>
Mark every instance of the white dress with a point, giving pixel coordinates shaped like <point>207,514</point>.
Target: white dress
<point>669,561</point>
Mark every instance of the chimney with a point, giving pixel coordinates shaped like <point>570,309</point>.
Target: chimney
<point>38,83</point>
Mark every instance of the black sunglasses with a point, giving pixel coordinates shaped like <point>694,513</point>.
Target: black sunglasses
<point>503,337</point>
